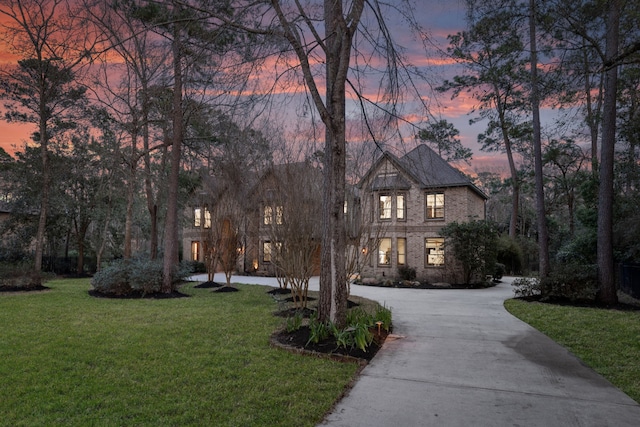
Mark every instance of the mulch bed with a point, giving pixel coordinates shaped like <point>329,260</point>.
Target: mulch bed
<point>297,341</point>
<point>139,295</point>
<point>279,291</point>
<point>34,288</point>
<point>209,284</point>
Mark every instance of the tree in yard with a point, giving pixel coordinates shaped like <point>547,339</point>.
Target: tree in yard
<point>474,245</point>
<point>564,161</point>
<point>443,136</point>
<point>220,234</point>
<point>291,215</point>
<point>543,229</point>
<point>491,51</point>
<point>334,47</point>
<point>607,293</point>
<point>128,89</point>
<point>42,89</point>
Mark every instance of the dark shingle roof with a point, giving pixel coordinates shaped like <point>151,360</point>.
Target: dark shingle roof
<point>426,168</point>
<point>431,170</point>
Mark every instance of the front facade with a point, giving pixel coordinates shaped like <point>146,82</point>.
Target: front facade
<point>394,216</point>
<point>406,202</point>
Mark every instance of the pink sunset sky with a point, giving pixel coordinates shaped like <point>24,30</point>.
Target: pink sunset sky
<point>440,18</point>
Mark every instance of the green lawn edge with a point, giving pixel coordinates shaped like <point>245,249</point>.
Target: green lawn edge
<point>607,340</point>
<point>67,358</point>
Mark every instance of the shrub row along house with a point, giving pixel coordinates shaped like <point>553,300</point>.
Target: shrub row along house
<point>393,219</point>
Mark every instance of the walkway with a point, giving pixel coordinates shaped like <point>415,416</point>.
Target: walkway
<point>458,358</point>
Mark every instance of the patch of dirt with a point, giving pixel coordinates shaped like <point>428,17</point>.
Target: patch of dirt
<point>279,291</point>
<point>139,295</point>
<point>208,285</point>
<point>33,288</point>
<point>297,341</point>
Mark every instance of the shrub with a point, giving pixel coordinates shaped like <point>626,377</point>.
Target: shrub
<point>498,271</point>
<point>574,282</point>
<point>406,272</point>
<point>509,254</point>
<point>526,287</point>
<point>474,246</point>
<point>22,276</point>
<point>125,277</point>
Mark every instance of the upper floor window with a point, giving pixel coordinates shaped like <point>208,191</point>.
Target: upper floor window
<point>197,217</point>
<point>273,215</point>
<point>384,206</point>
<point>400,207</point>
<point>435,205</point>
<point>268,215</point>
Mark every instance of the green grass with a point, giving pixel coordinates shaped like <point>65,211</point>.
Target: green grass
<point>606,340</point>
<point>70,359</point>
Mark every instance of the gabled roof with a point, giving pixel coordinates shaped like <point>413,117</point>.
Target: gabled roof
<point>425,167</point>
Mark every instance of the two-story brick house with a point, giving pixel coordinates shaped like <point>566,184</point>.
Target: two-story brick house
<point>406,201</point>
<point>393,216</point>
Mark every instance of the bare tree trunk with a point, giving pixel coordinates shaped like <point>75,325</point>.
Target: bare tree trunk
<point>606,275</point>
<point>131,190</point>
<point>152,206</point>
<point>46,178</point>
<point>170,259</point>
<point>543,231</point>
<point>332,304</point>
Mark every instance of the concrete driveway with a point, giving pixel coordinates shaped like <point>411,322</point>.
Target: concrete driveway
<point>458,358</point>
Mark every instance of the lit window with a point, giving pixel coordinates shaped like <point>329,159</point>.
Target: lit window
<point>195,251</point>
<point>268,215</point>
<point>400,207</point>
<point>402,251</point>
<point>207,218</point>
<point>266,252</point>
<point>279,215</point>
<point>384,251</point>
<point>435,205</point>
<point>197,217</point>
<point>384,207</point>
<point>434,250</point>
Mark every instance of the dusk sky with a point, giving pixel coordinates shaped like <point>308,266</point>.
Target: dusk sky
<point>440,18</point>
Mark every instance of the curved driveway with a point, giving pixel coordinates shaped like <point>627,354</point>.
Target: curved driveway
<point>458,358</point>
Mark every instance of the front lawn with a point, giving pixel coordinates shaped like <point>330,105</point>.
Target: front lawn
<point>606,340</point>
<point>67,358</point>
